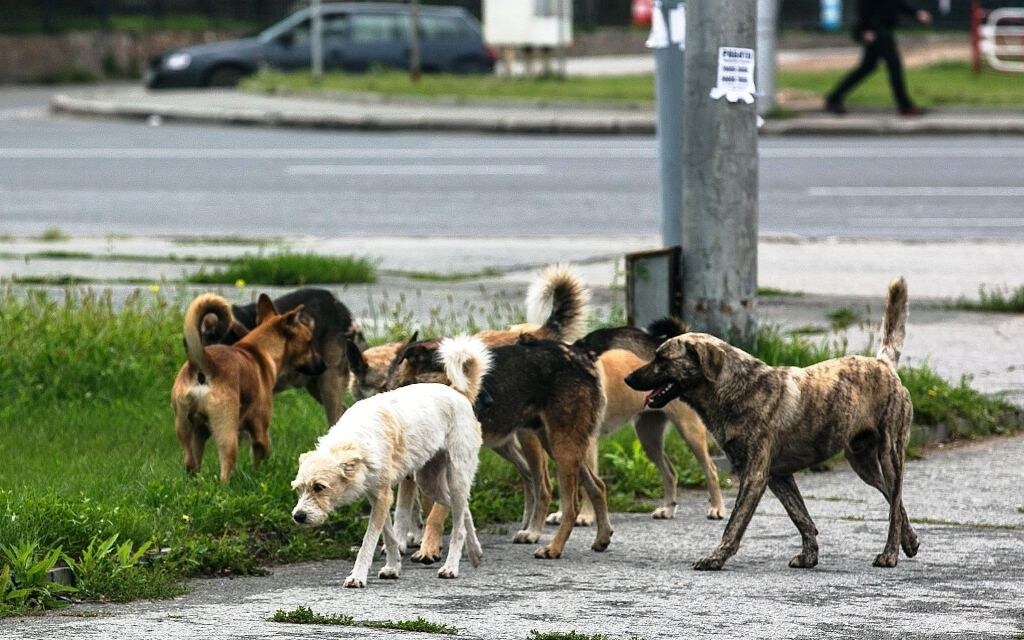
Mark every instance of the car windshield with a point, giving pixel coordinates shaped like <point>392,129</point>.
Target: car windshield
<point>275,30</point>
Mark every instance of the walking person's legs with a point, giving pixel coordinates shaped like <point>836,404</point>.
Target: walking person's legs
<point>868,62</point>
<point>890,53</point>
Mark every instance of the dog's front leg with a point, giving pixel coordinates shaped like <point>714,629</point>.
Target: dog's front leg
<point>393,564</point>
<point>380,510</point>
<point>752,485</point>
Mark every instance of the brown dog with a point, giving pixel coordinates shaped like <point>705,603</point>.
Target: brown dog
<point>774,421</point>
<point>224,391</point>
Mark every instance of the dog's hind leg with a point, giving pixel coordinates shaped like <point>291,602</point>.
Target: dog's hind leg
<point>598,497</point>
<point>785,489</point>
<point>458,497</point>
<point>693,432</point>
<point>891,458</point>
<point>380,511</point>
<point>473,547</point>
<point>433,483</point>
<point>650,431</point>
<point>328,389</point>
<point>865,462</point>
<point>260,442</point>
<point>586,516</point>
<point>225,432</point>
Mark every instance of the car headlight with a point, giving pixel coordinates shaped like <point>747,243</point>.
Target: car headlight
<point>178,61</point>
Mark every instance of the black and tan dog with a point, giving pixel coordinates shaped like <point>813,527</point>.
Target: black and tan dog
<point>225,391</point>
<point>774,421</point>
<point>549,389</point>
<point>332,328</point>
<point>621,350</point>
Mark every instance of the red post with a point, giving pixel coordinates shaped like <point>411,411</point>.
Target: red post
<point>976,14</point>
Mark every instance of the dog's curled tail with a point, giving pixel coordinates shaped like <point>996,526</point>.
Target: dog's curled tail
<point>466,361</point>
<point>203,305</point>
<point>558,302</point>
<point>667,327</point>
<point>894,323</point>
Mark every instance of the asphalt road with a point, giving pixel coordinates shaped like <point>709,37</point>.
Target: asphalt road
<point>964,583</point>
<point>92,177</point>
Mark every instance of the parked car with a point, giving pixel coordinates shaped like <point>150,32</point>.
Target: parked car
<point>356,37</point>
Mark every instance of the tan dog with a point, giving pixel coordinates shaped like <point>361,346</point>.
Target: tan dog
<point>224,391</point>
<point>775,421</point>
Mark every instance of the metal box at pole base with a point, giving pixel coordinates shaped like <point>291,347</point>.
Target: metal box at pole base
<point>653,286</point>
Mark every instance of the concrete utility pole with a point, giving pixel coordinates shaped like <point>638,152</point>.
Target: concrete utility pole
<point>767,36</point>
<point>316,39</point>
<point>668,88</point>
<point>719,236</point>
<point>415,59</point>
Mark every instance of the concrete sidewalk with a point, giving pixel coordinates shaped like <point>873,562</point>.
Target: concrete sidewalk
<point>965,582</point>
<point>363,112</point>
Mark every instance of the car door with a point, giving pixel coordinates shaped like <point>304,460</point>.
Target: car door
<point>376,39</point>
<point>443,42</point>
<point>289,50</point>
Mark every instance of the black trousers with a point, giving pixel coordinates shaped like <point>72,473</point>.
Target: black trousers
<point>883,47</point>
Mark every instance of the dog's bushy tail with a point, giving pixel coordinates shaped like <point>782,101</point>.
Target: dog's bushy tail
<point>558,301</point>
<point>207,303</point>
<point>466,361</point>
<point>894,323</point>
<point>667,327</point>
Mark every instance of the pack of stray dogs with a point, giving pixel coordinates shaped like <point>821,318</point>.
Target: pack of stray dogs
<point>540,390</point>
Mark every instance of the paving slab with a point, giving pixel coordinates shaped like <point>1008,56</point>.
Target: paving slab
<point>964,583</point>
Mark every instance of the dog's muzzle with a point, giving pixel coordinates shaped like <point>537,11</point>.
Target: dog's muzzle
<point>300,517</point>
<point>314,367</point>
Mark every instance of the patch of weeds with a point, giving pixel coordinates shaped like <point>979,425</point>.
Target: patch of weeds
<point>779,349</point>
<point>562,635</point>
<point>633,471</point>
<point>772,292</point>
<point>287,268</point>
<point>936,521</point>
<point>25,582</point>
<point>53,234</point>
<point>305,615</point>
<point>843,317</point>
<point>57,254</point>
<point>84,613</point>
<point>808,329</point>
<point>59,280</point>
<point>997,299</point>
<point>852,518</point>
<point>228,239</point>
<point>433,276</point>
<point>419,624</point>
<point>108,571</point>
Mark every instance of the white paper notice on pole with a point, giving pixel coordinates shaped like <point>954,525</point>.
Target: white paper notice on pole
<point>659,30</point>
<point>677,26</point>
<point>735,75</point>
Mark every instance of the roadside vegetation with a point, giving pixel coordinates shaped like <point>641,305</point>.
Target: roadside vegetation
<point>289,268</point>
<point>942,84</point>
<point>999,299</point>
<point>305,615</point>
<point>99,481</point>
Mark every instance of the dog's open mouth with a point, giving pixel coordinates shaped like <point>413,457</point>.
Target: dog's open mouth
<point>662,395</point>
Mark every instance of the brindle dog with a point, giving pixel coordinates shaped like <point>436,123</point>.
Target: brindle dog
<point>774,421</point>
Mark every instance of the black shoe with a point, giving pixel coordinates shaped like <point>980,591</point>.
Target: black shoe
<point>835,107</point>
<point>912,111</point>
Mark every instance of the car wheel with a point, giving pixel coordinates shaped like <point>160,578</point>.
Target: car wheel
<point>224,77</point>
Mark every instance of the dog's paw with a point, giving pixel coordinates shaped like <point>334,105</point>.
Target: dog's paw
<point>476,554</point>
<point>886,560</point>
<point>389,573</point>
<point>585,520</point>
<point>554,518</point>
<point>804,561</point>
<point>353,582</point>
<point>425,556</point>
<point>600,544</point>
<point>447,572</point>
<point>547,553</point>
<point>664,513</point>
<point>715,513</point>
<point>710,563</point>
<point>910,545</point>
<point>525,536</point>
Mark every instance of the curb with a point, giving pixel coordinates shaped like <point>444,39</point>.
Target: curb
<point>536,121</point>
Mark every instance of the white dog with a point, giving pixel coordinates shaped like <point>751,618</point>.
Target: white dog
<point>428,431</point>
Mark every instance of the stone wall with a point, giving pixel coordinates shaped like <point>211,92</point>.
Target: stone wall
<point>84,54</point>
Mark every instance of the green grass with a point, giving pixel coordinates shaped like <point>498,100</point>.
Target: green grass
<point>843,317</point>
<point>289,268</point>
<point>561,635</point>
<point>305,615</point>
<point>944,84</point>
<point>53,234</point>
<point>772,292</point>
<point>459,276</point>
<point>998,299</point>
<point>610,89</point>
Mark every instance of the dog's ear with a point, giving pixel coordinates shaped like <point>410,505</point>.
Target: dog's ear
<point>303,456</point>
<point>414,338</point>
<point>347,459</point>
<point>356,361</point>
<point>709,357</point>
<point>264,309</point>
<point>291,321</point>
